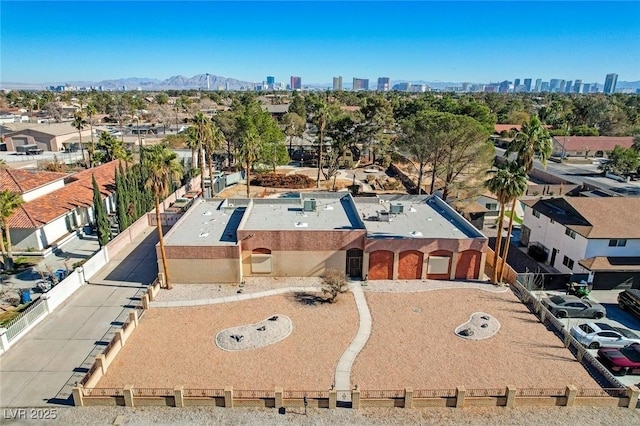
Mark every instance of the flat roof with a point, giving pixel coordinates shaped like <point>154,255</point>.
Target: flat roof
<point>332,212</point>
<point>421,217</point>
<point>206,224</point>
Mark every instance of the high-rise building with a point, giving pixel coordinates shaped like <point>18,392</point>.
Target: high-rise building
<point>271,80</point>
<point>402,87</point>
<point>562,86</point>
<point>568,87</point>
<point>465,87</point>
<point>296,83</point>
<point>586,88</point>
<point>610,83</point>
<point>545,86</point>
<point>527,84</point>
<point>577,86</point>
<point>554,84</point>
<point>383,84</point>
<point>538,85</point>
<point>337,83</point>
<point>504,86</point>
<point>360,84</point>
<point>516,82</point>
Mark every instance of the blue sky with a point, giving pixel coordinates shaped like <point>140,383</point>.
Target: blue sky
<point>456,41</point>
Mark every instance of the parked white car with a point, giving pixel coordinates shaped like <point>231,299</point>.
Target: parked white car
<point>597,334</point>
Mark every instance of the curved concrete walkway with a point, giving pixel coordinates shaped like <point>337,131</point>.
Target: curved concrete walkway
<point>342,379</point>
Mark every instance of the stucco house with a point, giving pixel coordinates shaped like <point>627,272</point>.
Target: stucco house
<point>598,236</point>
<point>56,204</point>
<point>588,146</point>
<point>385,237</point>
<point>48,137</point>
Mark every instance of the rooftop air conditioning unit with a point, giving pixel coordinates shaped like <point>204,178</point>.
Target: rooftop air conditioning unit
<point>309,205</point>
<point>397,208</point>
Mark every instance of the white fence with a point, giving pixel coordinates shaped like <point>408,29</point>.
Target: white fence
<point>27,318</point>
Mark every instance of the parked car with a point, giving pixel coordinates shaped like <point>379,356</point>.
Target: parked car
<point>573,307</point>
<point>621,360</point>
<point>597,334</point>
<point>629,300</point>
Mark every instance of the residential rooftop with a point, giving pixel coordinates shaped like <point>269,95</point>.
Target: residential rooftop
<point>410,216</point>
<point>21,181</point>
<point>332,211</point>
<point>207,223</point>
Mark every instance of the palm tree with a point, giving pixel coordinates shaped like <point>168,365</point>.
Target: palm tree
<point>91,111</point>
<point>532,138</point>
<point>9,202</point>
<point>163,169</point>
<point>518,187</point>
<point>322,116</point>
<point>212,143</point>
<point>249,143</point>
<point>80,123</point>
<point>192,143</point>
<point>507,183</point>
<point>203,134</point>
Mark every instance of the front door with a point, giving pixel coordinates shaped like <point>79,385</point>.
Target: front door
<point>553,257</point>
<point>354,263</point>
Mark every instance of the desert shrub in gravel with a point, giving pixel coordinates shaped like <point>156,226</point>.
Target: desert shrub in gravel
<point>274,180</point>
<point>333,283</point>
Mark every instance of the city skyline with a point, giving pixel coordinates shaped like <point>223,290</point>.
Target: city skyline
<point>459,42</point>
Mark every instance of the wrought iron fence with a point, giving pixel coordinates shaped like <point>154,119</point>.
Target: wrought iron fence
<point>109,346</point>
<point>21,322</point>
<point>302,394</point>
<point>486,392</point>
<point>253,394</point>
<point>89,392</point>
<point>602,392</point>
<point>203,393</point>
<point>381,394</point>
<point>541,392</point>
<point>87,376</point>
<point>434,393</point>
<point>152,392</point>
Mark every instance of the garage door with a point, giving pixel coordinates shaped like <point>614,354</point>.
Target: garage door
<point>410,265</point>
<point>468,266</point>
<point>381,265</point>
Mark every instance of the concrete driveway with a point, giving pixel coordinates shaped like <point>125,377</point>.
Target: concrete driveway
<point>42,368</point>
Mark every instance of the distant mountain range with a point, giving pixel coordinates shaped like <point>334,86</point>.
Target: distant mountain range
<point>199,81</point>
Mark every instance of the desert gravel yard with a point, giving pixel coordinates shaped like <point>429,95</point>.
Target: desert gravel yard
<point>176,346</point>
<point>413,344</point>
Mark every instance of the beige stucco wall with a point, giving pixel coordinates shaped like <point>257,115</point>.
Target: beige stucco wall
<point>298,263</point>
<point>202,271</point>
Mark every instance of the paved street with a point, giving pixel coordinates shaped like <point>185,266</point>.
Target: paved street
<point>42,367</point>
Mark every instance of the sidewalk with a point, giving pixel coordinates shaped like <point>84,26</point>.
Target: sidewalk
<point>45,364</point>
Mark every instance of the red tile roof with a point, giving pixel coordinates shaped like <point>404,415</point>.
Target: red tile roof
<point>77,193</point>
<point>499,128</point>
<point>22,181</point>
<point>594,143</point>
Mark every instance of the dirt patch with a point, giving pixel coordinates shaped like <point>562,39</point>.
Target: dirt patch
<point>175,346</point>
<point>412,344</point>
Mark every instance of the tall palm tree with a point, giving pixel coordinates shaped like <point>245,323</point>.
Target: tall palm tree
<point>249,143</point>
<point>322,116</point>
<point>9,202</point>
<point>203,134</point>
<point>91,111</point>
<point>508,183</point>
<point>212,143</point>
<point>518,187</point>
<point>163,169</point>
<point>532,138</point>
<point>80,123</point>
<point>192,143</point>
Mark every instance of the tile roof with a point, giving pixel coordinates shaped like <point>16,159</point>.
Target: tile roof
<point>604,263</point>
<point>499,128</point>
<point>79,192</point>
<point>594,143</point>
<point>22,181</point>
<point>594,217</point>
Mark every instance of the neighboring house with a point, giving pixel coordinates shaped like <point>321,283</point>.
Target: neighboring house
<point>55,204</point>
<point>598,236</point>
<point>588,146</point>
<point>490,202</point>
<point>386,237</point>
<point>48,137</point>
<point>276,111</point>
